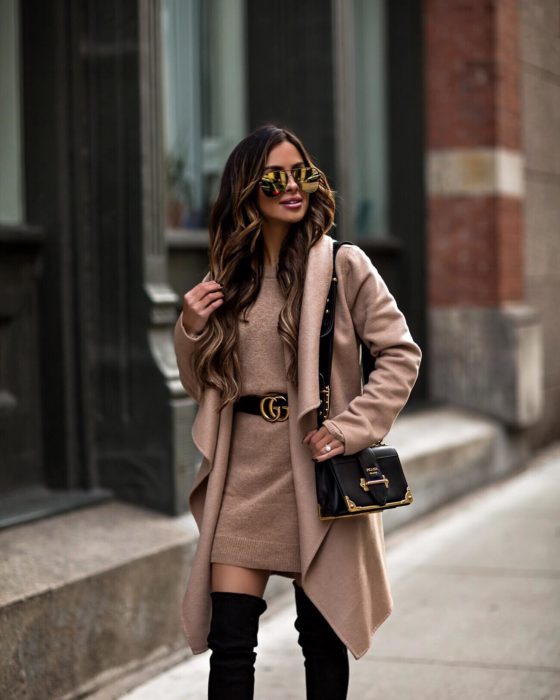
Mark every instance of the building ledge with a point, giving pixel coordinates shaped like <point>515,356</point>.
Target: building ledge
<point>40,557</point>
<point>447,452</point>
<point>37,502</point>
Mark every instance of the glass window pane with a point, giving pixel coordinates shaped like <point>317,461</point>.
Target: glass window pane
<point>204,101</point>
<point>370,158</point>
<point>10,125</point>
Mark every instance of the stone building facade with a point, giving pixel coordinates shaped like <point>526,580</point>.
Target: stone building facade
<point>540,128</point>
<point>435,122</point>
<point>486,340</point>
<point>493,220</point>
<point>438,124</point>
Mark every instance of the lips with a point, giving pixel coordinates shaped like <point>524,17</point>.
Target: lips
<point>293,202</point>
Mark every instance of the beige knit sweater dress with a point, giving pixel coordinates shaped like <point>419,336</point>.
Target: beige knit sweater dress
<point>258,525</point>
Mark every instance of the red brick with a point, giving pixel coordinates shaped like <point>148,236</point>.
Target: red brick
<point>472,83</point>
<point>474,251</point>
<point>472,73</point>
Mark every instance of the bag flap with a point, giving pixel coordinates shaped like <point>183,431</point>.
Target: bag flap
<point>351,477</point>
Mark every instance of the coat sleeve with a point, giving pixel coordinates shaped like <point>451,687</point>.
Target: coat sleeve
<point>185,344</point>
<point>383,328</point>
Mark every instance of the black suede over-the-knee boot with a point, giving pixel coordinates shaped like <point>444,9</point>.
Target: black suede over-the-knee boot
<point>233,636</point>
<point>326,656</point>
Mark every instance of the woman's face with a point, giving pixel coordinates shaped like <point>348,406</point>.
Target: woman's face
<point>290,206</point>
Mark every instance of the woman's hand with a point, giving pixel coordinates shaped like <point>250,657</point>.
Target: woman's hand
<point>319,440</point>
<point>199,303</point>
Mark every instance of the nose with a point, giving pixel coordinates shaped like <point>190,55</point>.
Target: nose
<point>291,184</point>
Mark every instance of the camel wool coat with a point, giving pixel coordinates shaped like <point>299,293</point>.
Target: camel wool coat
<point>343,560</point>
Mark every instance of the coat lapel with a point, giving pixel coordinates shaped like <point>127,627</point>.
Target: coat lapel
<point>305,397</point>
<point>207,422</point>
<point>315,291</point>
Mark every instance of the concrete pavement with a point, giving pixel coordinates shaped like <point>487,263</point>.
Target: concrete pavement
<point>476,587</point>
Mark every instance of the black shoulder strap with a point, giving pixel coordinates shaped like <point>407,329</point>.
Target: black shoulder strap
<point>326,344</point>
<point>326,341</point>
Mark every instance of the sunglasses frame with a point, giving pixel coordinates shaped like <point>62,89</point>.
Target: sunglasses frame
<point>274,188</point>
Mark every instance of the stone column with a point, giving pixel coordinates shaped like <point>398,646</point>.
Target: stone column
<point>176,418</point>
<point>485,341</point>
<point>143,449</point>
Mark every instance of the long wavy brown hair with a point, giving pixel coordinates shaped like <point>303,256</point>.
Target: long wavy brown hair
<point>237,259</point>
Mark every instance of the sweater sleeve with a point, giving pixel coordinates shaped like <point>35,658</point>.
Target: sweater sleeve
<point>383,328</point>
<point>185,344</point>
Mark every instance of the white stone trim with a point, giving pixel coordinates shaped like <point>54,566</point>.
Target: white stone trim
<point>475,172</point>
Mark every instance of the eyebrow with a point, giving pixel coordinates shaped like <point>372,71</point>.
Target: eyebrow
<point>281,167</point>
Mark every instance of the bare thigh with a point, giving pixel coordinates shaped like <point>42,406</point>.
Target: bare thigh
<point>238,579</point>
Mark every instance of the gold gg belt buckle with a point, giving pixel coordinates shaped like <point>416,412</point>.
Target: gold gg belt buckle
<point>274,408</point>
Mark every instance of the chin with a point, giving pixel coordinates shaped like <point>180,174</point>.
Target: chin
<point>289,217</point>
<point>295,219</point>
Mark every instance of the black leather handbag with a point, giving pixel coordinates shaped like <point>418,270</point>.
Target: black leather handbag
<point>367,481</point>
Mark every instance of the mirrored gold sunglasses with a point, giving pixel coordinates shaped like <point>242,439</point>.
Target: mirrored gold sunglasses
<point>275,182</point>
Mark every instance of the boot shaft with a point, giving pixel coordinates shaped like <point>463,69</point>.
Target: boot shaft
<point>327,671</point>
<point>232,637</point>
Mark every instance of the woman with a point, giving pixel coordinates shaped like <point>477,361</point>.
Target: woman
<point>248,331</point>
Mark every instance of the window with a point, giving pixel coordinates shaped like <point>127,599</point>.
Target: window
<point>360,40</point>
<point>204,102</point>
<point>208,108</point>
<point>10,137</point>
<point>370,203</point>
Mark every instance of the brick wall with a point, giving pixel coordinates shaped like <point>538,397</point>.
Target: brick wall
<point>474,250</point>
<point>471,73</point>
<point>473,128</point>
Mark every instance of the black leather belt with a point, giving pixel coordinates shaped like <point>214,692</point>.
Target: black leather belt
<point>272,407</point>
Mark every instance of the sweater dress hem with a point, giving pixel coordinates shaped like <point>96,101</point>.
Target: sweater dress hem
<point>240,551</point>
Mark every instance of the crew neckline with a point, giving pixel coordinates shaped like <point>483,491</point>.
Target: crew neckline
<point>269,270</point>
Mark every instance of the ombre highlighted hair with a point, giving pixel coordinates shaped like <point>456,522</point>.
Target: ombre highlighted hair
<point>237,259</point>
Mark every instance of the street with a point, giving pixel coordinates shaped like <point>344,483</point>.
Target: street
<point>476,587</point>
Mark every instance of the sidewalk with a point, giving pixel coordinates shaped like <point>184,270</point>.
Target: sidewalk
<point>477,608</point>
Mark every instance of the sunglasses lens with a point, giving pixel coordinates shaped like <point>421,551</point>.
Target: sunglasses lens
<point>309,179</point>
<point>275,182</point>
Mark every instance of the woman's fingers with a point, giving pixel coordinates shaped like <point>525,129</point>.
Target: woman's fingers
<point>314,437</point>
<point>318,435</point>
<point>209,302</point>
<point>198,293</point>
<point>318,440</point>
<point>211,307</point>
<point>337,448</point>
<point>199,303</point>
<point>308,437</point>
